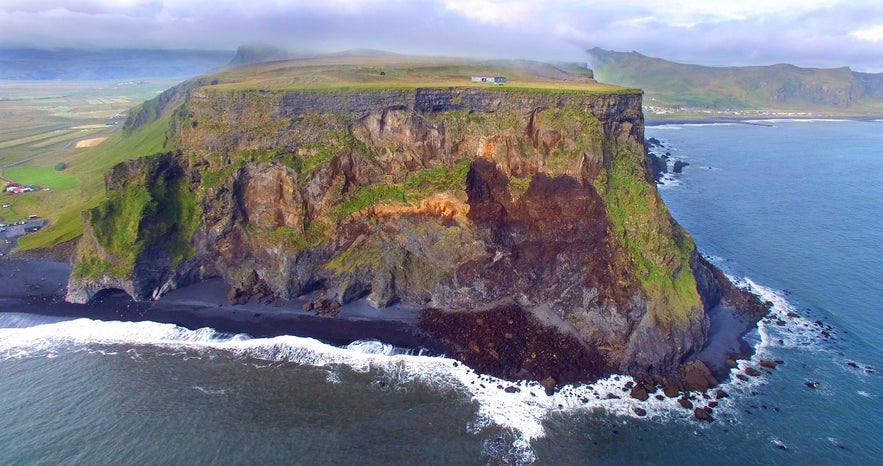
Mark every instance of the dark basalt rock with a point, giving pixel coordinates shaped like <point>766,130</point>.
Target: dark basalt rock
<point>696,376</point>
<point>684,402</point>
<point>679,166</point>
<point>639,393</point>
<point>541,353</point>
<point>702,415</point>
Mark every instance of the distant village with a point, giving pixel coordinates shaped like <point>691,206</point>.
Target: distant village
<point>11,230</point>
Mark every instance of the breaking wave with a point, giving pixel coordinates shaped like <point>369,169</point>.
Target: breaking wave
<point>519,407</point>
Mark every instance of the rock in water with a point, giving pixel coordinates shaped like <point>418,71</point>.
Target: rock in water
<point>768,363</point>
<point>679,166</point>
<point>639,393</point>
<point>697,376</point>
<point>702,415</point>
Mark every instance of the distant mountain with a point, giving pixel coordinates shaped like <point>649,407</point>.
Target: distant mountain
<point>778,87</point>
<point>257,53</point>
<point>67,64</point>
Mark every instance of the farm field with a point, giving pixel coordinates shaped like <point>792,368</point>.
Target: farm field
<point>50,137</point>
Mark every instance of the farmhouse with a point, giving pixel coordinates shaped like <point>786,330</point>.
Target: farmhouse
<point>489,79</point>
<point>18,189</point>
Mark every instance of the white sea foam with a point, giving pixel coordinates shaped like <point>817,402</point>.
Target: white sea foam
<point>210,391</point>
<point>521,412</point>
<point>785,326</point>
<point>669,180</point>
<point>679,126</point>
<point>797,120</point>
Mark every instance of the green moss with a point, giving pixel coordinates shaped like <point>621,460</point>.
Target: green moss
<point>518,186</point>
<point>368,196</point>
<point>91,265</point>
<point>116,223</point>
<point>318,153</point>
<point>290,239</point>
<point>141,214</point>
<point>213,179</point>
<point>175,218</point>
<point>355,258</point>
<point>420,185</point>
<point>424,183</point>
<point>659,252</point>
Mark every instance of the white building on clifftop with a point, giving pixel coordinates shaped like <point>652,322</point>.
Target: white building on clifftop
<point>489,79</point>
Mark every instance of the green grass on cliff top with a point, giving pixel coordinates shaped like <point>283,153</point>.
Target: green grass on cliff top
<point>393,72</point>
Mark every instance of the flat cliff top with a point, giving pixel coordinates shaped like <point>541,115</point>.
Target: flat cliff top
<point>382,72</point>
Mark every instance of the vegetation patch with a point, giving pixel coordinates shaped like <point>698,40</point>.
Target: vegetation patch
<point>116,224</point>
<point>418,186</point>
<point>518,186</point>
<point>48,177</point>
<point>659,252</point>
<point>290,239</point>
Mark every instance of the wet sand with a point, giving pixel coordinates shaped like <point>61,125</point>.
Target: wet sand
<point>725,340</point>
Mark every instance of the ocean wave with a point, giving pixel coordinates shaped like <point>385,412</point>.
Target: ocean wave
<point>796,120</point>
<point>519,407</point>
<point>678,126</point>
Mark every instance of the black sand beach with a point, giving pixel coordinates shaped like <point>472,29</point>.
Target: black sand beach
<point>38,287</point>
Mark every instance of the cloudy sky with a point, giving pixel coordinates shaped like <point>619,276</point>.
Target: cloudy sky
<point>820,33</point>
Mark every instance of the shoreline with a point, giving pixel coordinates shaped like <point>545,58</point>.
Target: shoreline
<point>750,120</point>
<point>38,287</point>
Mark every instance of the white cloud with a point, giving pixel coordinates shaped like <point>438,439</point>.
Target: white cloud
<point>870,34</point>
<point>506,12</point>
<point>804,32</point>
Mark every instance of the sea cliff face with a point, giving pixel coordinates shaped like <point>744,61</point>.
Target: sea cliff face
<point>452,199</point>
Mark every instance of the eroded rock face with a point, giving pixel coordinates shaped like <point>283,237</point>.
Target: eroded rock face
<point>443,198</point>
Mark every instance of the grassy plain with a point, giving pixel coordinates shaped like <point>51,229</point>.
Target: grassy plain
<point>391,72</point>
<point>40,121</point>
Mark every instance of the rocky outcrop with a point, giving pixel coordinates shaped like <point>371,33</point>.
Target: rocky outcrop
<point>444,198</point>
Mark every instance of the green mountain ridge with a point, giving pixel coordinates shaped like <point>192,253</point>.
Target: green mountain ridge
<point>773,88</point>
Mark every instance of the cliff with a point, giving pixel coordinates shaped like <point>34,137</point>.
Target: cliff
<point>461,200</point>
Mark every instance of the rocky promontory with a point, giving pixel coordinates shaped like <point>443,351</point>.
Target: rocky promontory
<point>523,220</point>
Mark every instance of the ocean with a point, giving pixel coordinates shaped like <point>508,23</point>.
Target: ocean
<point>789,208</point>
